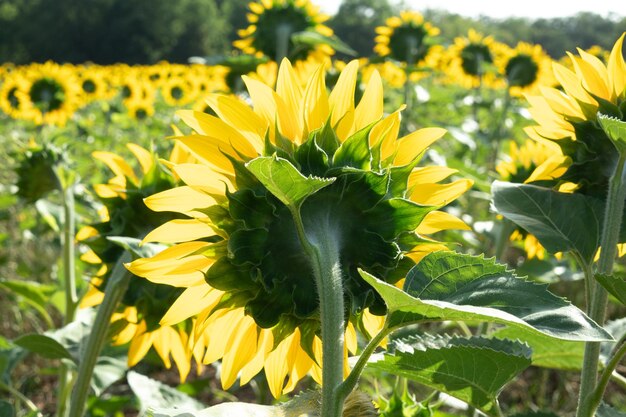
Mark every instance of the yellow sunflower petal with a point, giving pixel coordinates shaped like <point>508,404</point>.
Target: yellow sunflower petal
<point>439,194</point>
<point>430,174</point>
<point>241,349</point>
<point>316,107</point>
<point>241,117</point>
<point>203,178</point>
<point>179,230</point>
<point>115,163</point>
<point>279,362</point>
<point>191,302</point>
<point>436,221</point>
<point>180,199</point>
<point>370,108</point>
<point>617,68</point>
<point>413,144</point>
<point>254,365</point>
<point>143,156</point>
<point>341,99</point>
<point>140,345</point>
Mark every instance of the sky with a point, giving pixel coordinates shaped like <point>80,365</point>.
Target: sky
<point>501,9</point>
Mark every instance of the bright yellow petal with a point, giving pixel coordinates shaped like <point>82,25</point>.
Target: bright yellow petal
<point>254,366</point>
<point>180,199</point>
<point>241,349</point>
<point>203,178</point>
<point>289,90</point>
<point>218,330</point>
<point>316,107</point>
<point>241,117</point>
<point>439,194</point>
<point>617,68</point>
<point>211,151</point>
<point>208,125</point>
<point>116,163</point>
<point>550,169</point>
<point>279,362</point>
<point>191,302</point>
<point>341,99</point>
<point>431,174</point>
<point>143,156</point>
<point>370,108</point>
<point>179,230</point>
<point>140,345</point>
<point>436,221</point>
<point>413,144</point>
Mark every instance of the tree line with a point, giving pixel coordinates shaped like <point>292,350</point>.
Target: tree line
<point>147,31</point>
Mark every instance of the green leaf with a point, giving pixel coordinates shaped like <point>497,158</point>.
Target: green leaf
<point>43,345</point>
<point>284,181</point>
<point>154,394</point>
<point>565,355</point>
<point>606,410</point>
<point>615,129</point>
<point>355,151</point>
<point>614,284</point>
<point>6,409</point>
<point>34,293</point>
<point>51,213</point>
<point>473,370</point>
<point>561,221</point>
<point>452,286</point>
<point>535,414</point>
<point>312,38</point>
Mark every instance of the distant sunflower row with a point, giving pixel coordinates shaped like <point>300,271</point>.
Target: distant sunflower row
<point>407,49</point>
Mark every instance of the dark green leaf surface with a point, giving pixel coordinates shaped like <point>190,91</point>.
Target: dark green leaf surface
<point>473,370</point>
<point>614,284</point>
<point>452,286</point>
<point>561,221</point>
<point>43,345</point>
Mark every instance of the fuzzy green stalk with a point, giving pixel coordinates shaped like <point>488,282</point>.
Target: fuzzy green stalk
<point>599,296</point>
<point>597,394</point>
<point>322,246</point>
<point>113,294</point>
<point>496,135</point>
<point>69,271</point>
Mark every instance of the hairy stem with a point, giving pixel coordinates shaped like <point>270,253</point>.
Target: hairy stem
<point>322,246</point>
<point>113,294</point>
<point>599,296</point>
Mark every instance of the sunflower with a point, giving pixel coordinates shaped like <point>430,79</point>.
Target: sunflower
<point>237,255</point>
<point>93,84</point>
<point>10,101</point>
<point>50,95</point>
<point>125,214</point>
<point>471,61</point>
<point>405,38</point>
<point>272,24</point>
<point>534,162</point>
<point>177,91</point>
<point>567,116</point>
<point>526,67</point>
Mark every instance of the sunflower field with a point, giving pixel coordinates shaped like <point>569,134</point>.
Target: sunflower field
<point>292,229</point>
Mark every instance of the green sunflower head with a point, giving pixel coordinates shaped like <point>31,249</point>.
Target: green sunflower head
<point>36,172</point>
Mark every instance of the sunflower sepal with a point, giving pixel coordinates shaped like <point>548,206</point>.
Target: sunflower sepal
<point>355,151</point>
<point>615,129</point>
<point>284,180</point>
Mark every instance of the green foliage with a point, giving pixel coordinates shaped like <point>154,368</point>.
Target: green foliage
<point>110,31</point>
<point>474,370</point>
<point>452,286</point>
<point>154,394</point>
<point>614,284</point>
<point>562,222</point>
<point>284,181</point>
<point>43,345</point>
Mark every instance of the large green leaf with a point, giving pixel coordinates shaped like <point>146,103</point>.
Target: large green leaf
<point>153,394</point>
<point>452,286</point>
<point>473,370</point>
<point>43,345</point>
<point>614,284</point>
<point>561,221</point>
<point>565,355</point>
<point>606,410</point>
<point>284,181</point>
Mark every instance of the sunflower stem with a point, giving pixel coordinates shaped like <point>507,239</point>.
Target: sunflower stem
<point>69,276</point>
<point>599,296</point>
<point>113,294</point>
<point>322,246</point>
